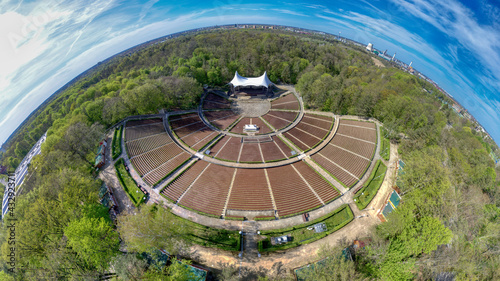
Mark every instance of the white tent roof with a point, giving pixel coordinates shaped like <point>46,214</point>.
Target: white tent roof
<point>251,81</point>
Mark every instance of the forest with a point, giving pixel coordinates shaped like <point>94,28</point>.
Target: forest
<point>447,225</point>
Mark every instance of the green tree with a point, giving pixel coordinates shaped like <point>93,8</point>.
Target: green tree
<point>129,266</point>
<point>94,240</point>
<point>151,229</point>
<point>6,277</point>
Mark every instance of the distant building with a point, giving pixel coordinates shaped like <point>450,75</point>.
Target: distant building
<point>21,172</point>
<point>369,47</point>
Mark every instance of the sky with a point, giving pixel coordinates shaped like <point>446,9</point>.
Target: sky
<point>44,44</point>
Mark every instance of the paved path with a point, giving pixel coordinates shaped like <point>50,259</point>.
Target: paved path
<point>108,175</point>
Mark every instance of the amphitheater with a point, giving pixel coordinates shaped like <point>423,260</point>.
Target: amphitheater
<point>298,161</point>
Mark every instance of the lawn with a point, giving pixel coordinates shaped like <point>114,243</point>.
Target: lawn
<point>301,235</point>
<point>128,183</point>
<point>219,238</point>
<point>229,240</point>
<point>116,149</point>
<point>365,195</point>
<point>385,149</point>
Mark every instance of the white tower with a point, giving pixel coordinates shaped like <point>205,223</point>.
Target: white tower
<point>369,48</point>
<point>393,57</point>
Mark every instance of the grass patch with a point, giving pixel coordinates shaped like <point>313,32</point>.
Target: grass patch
<point>116,148</point>
<point>265,218</point>
<point>367,192</point>
<point>301,235</point>
<point>385,149</point>
<point>129,184</point>
<point>234,218</point>
<point>228,240</point>
<point>276,160</point>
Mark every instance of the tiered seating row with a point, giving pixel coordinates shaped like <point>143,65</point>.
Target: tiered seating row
<point>352,163</point>
<point>215,105</point>
<point>189,129</point>
<point>285,118</point>
<point>214,115</point>
<point>359,147</point>
<point>221,122</point>
<point>290,116</point>
<point>250,191</point>
<point>228,151</point>
<point>317,132</point>
<point>290,192</point>
<point>333,169</point>
<point>141,131</point>
<point>263,128</point>
<point>306,140</point>
<point>209,188</point>
<point>356,132</point>
<point>184,122</point>
<point>358,123</point>
<point>138,146</point>
<point>250,153</point>
<point>203,141</point>
<point>217,98</point>
<point>271,151</point>
<point>288,102</point>
<point>200,137</point>
<point>152,159</point>
<point>317,121</point>
<point>164,169</point>
<point>228,148</point>
<point>324,189</point>
<point>176,188</point>
<point>133,123</point>
<point>181,116</point>
<point>209,193</point>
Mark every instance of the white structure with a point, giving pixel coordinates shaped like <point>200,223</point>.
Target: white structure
<point>20,174</point>
<point>251,127</point>
<point>261,81</point>
<point>369,48</point>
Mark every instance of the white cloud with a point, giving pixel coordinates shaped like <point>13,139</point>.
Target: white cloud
<point>145,8</point>
<point>294,13</point>
<point>50,71</point>
<point>457,21</point>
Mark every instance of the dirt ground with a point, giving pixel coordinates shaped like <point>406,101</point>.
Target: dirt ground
<point>378,63</point>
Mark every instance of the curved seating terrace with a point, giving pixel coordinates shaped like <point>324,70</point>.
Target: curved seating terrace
<point>269,171</point>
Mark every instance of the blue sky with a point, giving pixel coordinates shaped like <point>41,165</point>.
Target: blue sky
<point>45,44</point>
